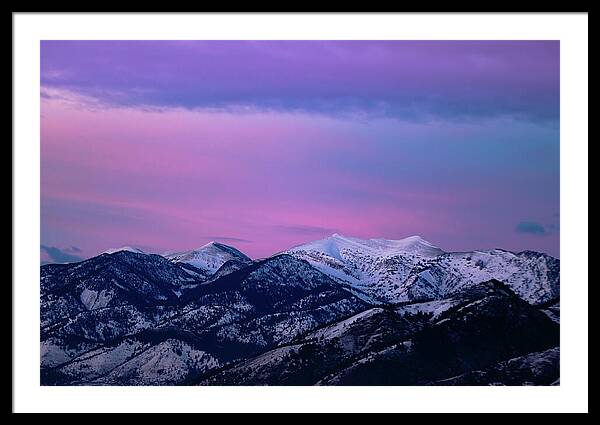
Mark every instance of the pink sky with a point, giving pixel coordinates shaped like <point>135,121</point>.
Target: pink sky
<point>173,177</point>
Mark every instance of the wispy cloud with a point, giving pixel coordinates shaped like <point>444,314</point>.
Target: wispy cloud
<point>228,239</point>
<point>52,254</point>
<point>306,230</point>
<point>532,228</point>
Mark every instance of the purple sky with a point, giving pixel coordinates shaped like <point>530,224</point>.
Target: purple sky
<point>167,145</point>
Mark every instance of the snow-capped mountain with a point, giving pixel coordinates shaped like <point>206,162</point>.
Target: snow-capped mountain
<point>338,311</point>
<point>382,346</point>
<point>340,247</point>
<point>209,257</point>
<point>124,248</point>
<point>533,276</point>
<point>111,280</point>
<point>125,317</point>
<point>410,269</point>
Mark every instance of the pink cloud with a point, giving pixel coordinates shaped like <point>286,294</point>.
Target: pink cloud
<point>174,179</point>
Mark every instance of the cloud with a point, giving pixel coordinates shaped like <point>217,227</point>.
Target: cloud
<point>532,228</point>
<point>52,254</point>
<point>306,230</point>
<point>228,239</point>
<point>410,80</point>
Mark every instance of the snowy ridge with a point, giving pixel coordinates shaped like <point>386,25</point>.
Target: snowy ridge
<point>533,276</point>
<point>129,319</point>
<point>297,318</point>
<point>209,257</point>
<point>375,267</point>
<point>338,246</point>
<point>338,328</point>
<point>412,269</point>
<point>124,248</point>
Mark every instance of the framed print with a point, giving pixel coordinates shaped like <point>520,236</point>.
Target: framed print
<point>345,213</point>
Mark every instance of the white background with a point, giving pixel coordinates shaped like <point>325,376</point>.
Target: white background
<point>570,29</point>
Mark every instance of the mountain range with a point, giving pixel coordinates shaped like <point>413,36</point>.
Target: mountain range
<point>337,311</point>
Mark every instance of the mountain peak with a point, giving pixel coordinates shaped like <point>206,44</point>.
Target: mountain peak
<point>404,241</point>
<point>124,248</point>
<point>208,245</point>
<point>415,238</point>
<point>336,244</point>
<point>209,257</point>
<point>343,237</point>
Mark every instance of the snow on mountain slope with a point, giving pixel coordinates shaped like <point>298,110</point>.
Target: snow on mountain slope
<point>375,267</point>
<point>413,269</point>
<point>474,337</point>
<point>435,307</point>
<point>278,299</point>
<point>209,257</point>
<point>339,247</point>
<point>533,276</point>
<point>109,280</point>
<point>124,248</point>
<point>337,329</point>
<point>316,354</point>
<point>166,363</point>
<point>129,318</point>
<point>137,360</point>
<point>483,325</point>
